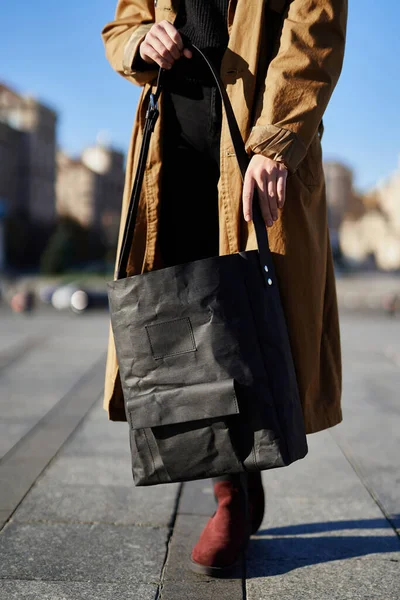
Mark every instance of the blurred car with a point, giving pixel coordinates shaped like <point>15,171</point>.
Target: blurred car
<point>61,297</point>
<point>82,300</point>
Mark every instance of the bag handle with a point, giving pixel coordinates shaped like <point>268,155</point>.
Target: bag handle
<point>242,158</point>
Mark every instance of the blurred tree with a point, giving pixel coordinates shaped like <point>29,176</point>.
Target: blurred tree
<point>24,241</point>
<point>70,247</point>
<point>16,242</point>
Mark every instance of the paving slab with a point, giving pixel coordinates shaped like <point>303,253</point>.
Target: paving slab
<point>369,435</point>
<point>10,434</point>
<point>366,291</point>
<point>186,533</point>
<point>217,590</point>
<point>68,346</point>
<point>318,514</point>
<point>369,578</point>
<point>85,531</point>
<point>12,341</point>
<point>34,590</point>
<point>197,498</point>
<point>96,489</point>
<point>97,436</point>
<point>14,350</point>
<point>91,481</point>
<point>320,489</point>
<point>20,468</point>
<point>86,553</point>
<point>106,439</point>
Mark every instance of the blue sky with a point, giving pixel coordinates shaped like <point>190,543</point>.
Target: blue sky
<point>54,51</point>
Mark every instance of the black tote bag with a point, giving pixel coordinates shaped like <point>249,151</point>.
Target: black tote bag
<point>203,351</point>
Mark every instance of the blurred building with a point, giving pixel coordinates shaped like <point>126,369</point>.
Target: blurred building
<point>342,203</point>
<point>387,194</point>
<point>374,235</point>
<point>10,144</point>
<point>89,189</point>
<point>39,184</point>
<point>339,192</point>
<point>27,157</point>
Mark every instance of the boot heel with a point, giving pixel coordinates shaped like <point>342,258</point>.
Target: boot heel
<point>218,572</point>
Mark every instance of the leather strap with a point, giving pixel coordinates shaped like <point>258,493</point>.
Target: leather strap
<point>242,158</point>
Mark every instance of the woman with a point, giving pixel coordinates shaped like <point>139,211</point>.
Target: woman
<point>279,61</point>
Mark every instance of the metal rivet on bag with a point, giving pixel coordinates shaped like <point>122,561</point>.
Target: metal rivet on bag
<point>266,268</point>
<point>269,281</point>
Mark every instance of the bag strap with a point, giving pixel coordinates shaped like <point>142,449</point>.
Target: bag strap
<point>242,158</point>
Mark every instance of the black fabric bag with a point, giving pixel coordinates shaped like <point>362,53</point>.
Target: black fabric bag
<point>204,356</point>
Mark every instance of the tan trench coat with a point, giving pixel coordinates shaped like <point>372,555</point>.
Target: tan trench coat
<point>279,111</point>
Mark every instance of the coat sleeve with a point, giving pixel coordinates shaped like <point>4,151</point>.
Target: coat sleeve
<point>123,36</point>
<point>300,80</point>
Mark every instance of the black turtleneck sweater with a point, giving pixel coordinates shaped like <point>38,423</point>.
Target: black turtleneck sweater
<point>203,23</point>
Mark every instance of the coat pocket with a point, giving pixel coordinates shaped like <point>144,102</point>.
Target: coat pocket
<point>310,170</point>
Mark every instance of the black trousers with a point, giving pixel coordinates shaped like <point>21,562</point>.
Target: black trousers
<point>189,228</point>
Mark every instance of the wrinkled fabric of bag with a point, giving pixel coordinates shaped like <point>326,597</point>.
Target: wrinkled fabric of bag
<point>206,369</point>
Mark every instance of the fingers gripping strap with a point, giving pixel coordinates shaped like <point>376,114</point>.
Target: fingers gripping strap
<point>242,158</point>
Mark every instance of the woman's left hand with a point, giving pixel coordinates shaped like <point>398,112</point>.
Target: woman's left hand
<point>268,177</point>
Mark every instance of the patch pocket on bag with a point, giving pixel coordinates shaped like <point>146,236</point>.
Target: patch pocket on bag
<point>184,432</point>
<point>171,338</point>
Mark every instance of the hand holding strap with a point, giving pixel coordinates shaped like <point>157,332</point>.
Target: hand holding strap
<point>242,158</point>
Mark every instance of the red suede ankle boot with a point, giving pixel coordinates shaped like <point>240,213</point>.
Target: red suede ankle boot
<point>256,500</point>
<point>223,540</point>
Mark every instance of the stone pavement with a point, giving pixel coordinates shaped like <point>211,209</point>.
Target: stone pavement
<point>366,291</point>
<point>76,528</point>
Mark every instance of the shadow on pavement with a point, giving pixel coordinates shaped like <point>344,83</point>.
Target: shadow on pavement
<point>308,528</point>
<point>287,550</point>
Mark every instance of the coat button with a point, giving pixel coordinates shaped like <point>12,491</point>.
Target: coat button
<point>269,281</point>
<point>266,268</point>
